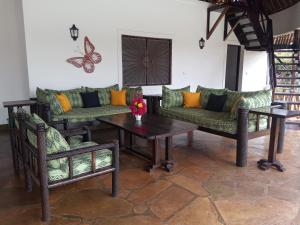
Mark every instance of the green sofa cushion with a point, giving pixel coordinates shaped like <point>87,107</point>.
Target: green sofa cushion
<point>206,92</point>
<point>49,97</point>
<point>173,97</point>
<point>263,98</point>
<point>90,114</point>
<point>104,93</point>
<point>81,163</point>
<point>218,121</point>
<point>72,94</point>
<point>131,93</point>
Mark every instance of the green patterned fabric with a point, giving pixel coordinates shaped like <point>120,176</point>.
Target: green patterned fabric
<point>206,92</point>
<point>81,163</point>
<point>55,142</point>
<point>173,97</point>
<point>45,96</point>
<point>104,93</point>
<point>218,121</point>
<point>233,96</point>
<point>72,94</point>
<point>252,100</point>
<point>90,114</point>
<point>131,93</point>
<point>42,95</point>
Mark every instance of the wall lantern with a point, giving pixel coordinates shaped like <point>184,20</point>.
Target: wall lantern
<point>201,43</point>
<point>74,32</point>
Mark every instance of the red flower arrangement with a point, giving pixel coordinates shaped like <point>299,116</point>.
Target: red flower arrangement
<point>138,106</point>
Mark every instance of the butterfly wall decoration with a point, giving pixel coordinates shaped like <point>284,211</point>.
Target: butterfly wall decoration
<point>89,59</point>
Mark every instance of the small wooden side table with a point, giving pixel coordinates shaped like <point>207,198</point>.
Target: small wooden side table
<point>153,103</point>
<point>277,114</point>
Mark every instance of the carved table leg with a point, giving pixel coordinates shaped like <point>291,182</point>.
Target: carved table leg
<point>271,161</point>
<point>155,156</point>
<point>121,138</point>
<point>169,162</point>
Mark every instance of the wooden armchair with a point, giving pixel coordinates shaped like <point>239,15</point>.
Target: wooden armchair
<point>51,162</point>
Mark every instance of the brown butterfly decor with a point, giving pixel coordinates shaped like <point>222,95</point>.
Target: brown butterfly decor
<point>89,59</point>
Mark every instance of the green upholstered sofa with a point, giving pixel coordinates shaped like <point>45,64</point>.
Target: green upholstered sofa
<point>233,122</point>
<point>49,109</point>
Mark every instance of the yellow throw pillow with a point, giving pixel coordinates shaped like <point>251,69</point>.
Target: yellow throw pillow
<point>118,97</point>
<point>64,102</point>
<point>191,100</point>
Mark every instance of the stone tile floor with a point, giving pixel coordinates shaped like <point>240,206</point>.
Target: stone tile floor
<point>204,189</point>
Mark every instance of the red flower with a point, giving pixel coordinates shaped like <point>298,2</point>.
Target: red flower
<point>138,106</point>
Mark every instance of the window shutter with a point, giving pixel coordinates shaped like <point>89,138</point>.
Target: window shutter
<point>159,62</point>
<point>134,60</point>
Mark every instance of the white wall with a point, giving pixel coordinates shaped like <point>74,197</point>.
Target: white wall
<point>49,44</point>
<point>13,67</point>
<point>286,20</point>
<point>255,71</point>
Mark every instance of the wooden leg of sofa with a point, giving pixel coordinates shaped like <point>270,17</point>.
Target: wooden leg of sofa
<point>45,204</point>
<point>190,136</point>
<point>242,138</point>
<point>115,174</point>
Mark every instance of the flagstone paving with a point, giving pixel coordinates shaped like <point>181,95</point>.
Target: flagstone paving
<point>205,188</point>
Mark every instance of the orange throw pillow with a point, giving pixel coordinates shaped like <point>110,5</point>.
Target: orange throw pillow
<point>64,102</point>
<point>118,97</point>
<point>191,100</point>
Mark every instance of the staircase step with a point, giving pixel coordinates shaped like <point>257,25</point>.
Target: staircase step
<point>246,25</point>
<point>289,103</point>
<point>288,86</point>
<point>287,57</point>
<point>288,78</point>
<point>288,70</point>
<point>249,32</point>
<point>287,94</point>
<point>255,39</point>
<point>239,17</point>
<point>287,50</point>
<point>287,64</point>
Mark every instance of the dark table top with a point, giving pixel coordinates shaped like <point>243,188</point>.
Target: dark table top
<point>275,112</point>
<point>19,103</point>
<point>151,126</point>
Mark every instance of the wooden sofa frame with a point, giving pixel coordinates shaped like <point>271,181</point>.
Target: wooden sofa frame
<point>35,161</point>
<point>243,136</point>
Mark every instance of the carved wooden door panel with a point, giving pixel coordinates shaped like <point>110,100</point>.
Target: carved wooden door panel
<point>146,61</point>
<point>134,60</point>
<point>159,62</point>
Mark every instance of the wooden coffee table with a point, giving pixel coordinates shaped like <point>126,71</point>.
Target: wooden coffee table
<point>152,128</point>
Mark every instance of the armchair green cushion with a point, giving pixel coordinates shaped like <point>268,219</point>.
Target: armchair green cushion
<point>55,142</point>
<point>81,163</point>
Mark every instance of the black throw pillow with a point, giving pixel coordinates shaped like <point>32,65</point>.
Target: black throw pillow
<point>90,99</point>
<point>216,102</point>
